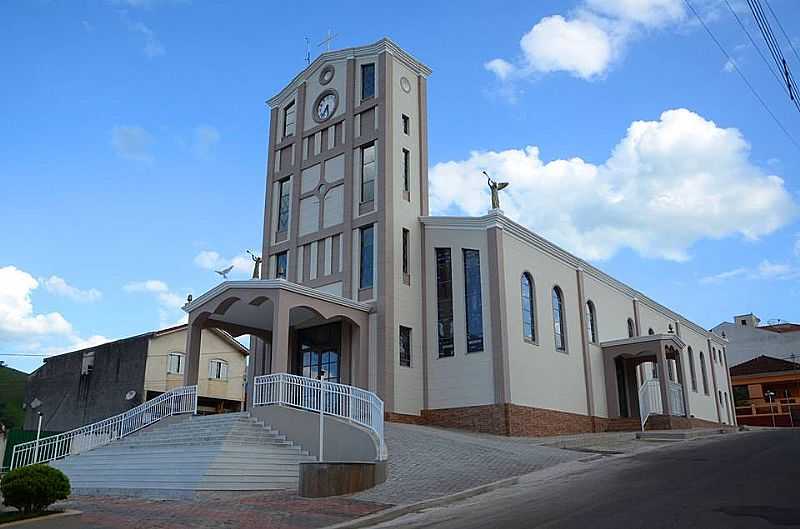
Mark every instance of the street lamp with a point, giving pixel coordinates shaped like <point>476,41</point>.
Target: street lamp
<point>770,394</point>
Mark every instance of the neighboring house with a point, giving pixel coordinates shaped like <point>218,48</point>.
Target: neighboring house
<point>12,392</point>
<point>748,339</point>
<point>767,392</point>
<point>84,386</point>
<point>469,322</point>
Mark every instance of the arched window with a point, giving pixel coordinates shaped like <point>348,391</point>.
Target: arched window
<point>218,369</point>
<point>558,320</point>
<point>631,329</point>
<point>591,321</point>
<point>714,355</point>
<point>692,371</point>
<point>650,331</point>
<point>175,363</point>
<point>703,372</point>
<point>527,293</point>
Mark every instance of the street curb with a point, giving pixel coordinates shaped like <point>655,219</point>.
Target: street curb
<point>68,512</point>
<point>400,510</point>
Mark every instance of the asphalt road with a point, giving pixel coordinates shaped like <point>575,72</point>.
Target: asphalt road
<point>746,480</point>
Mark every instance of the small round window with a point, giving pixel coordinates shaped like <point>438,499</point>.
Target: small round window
<point>326,75</point>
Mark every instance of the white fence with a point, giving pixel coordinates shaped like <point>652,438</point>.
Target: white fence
<point>675,392</point>
<point>174,402</point>
<point>328,398</point>
<point>649,400</point>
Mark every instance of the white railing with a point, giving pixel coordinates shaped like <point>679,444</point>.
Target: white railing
<point>174,402</point>
<point>357,405</point>
<point>675,392</point>
<point>649,400</point>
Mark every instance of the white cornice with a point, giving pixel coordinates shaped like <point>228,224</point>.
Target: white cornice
<point>272,284</point>
<point>495,219</point>
<point>383,45</point>
<point>645,339</point>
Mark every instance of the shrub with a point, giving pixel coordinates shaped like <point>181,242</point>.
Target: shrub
<point>34,488</point>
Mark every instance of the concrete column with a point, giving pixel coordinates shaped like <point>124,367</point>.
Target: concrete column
<point>587,361</point>
<point>280,337</point>
<point>636,319</point>
<point>663,377</point>
<point>681,373</point>
<point>714,381</point>
<point>194,331</point>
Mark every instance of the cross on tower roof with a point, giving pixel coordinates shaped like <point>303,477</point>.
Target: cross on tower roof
<point>328,39</point>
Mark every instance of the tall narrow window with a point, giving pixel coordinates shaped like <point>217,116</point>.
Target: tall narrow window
<point>472,300</point>
<point>283,205</point>
<point>218,369</point>
<point>631,328</point>
<point>175,363</point>
<point>406,124</point>
<point>444,301</point>
<point>692,369</point>
<point>406,170</point>
<point>367,81</point>
<point>87,363</point>
<point>289,120</point>
<point>368,172</point>
<point>591,321</point>
<point>406,235</point>
<point>405,346</point>
<point>703,372</point>
<point>528,308</point>
<point>558,320</point>
<point>281,265</point>
<point>367,252</point>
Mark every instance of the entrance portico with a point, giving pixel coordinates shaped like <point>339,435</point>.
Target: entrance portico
<point>628,381</point>
<point>294,329</point>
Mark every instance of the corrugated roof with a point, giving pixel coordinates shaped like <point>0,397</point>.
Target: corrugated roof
<point>763,364</point>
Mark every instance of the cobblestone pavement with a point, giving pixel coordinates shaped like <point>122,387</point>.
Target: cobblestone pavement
<point>229,510</point>
<point>427,462</point>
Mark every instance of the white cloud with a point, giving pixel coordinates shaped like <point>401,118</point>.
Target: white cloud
<point>765,270</point>
<point>724,276</point>
<point>169,303</point>
<point>152,46</point>
<point>58,286</point>
<point>132,143</point>
<point>587,41</point>
<point>667,184</point>
<point>205,139</point>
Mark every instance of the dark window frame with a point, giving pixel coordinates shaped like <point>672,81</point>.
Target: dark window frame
<point>473,299</point>
<point>406,124</point>
<point>284,203</point>
<point>366,276</point>
<point>444,302</point>
<point>528,298</point>
<point>406,170</point>
<point>367,81</point>
<point>289,110</point>
<point>282,256</point>
<point>405,346</point>
<point>406,237</point>
<point>369,173</point>
<point>591,317</point>
<point>559,328</point>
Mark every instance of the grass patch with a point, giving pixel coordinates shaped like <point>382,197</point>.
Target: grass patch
<point>15,516</point>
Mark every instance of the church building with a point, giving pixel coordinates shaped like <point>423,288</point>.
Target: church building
<point>466,322</point>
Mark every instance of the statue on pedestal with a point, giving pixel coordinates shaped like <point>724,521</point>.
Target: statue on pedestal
<point>495,187</point>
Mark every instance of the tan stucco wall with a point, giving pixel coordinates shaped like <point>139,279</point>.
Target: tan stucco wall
<point>212,346</point>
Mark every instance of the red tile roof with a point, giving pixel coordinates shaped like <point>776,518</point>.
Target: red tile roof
<point>781,327</point>
<point>763,364</point>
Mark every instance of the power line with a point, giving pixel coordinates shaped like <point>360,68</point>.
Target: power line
<point>789,40</point>
<point>741,74</point>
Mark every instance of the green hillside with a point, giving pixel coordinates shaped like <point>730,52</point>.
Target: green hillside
<point>12,394</point>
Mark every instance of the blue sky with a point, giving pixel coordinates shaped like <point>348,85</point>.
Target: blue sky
<point>133,144</point>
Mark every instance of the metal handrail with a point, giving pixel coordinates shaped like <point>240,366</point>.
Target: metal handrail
<point>675,391</point>
<point>649,400</point>
<point>174,402</point>
<point>353,404</point>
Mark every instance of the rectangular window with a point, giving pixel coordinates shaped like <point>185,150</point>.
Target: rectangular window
<point>289,120</point>
<point>406,124</point>
<point>367,252</point>
<point>87,363</point>
<point>281,265</point>
<point>405,346</point>
<point>472,300</point>
<point>444,301</point>
<point>175,363</point>
<point>406,235</point>
<point>367,81</point>
<point>369,169</point>
<point>283,205</point>
<point>218,369</point>
<point>406,170</point>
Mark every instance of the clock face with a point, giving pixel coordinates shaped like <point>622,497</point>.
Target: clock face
<point>326,106</point>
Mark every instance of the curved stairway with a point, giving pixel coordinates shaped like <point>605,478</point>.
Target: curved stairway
<point>231,451</point>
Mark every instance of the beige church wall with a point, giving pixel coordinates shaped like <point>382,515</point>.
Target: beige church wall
<point>701,405</point>
<point>540,376</point>
<point>314,89</point>
<point>211,347</point>
<point>652,318</point>
<point>598,381</point>
<point>465,379</point>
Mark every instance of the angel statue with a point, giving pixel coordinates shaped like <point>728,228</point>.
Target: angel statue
<point>256,264</point>
<point>495,187</point>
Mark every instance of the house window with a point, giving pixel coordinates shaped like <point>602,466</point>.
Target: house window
<point>472,300</point>
<point>218,369</point>
<point>406,235</point>
<point>281,265</point>
<point>406,170</point>
<point>368,172</point>
<point>367,81</point>
<point>631,329</point>
<point>367,251</point>
<point>703,372</point>
<point>591,321</point>
<point>692,370</point>
<point>528,307</point>
<point>406,124</point>
<point>444,301</point>
<point>283,205</point>
<point>87,363</point>
<point>405,346</point>
<point>175,363</point>
<point>558,320</point>
<point>288,120</point>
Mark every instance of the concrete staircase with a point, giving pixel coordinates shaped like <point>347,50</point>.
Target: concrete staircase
<point>230,451</point>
